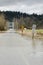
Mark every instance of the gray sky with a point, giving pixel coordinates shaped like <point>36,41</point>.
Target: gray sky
<point>28,6</point>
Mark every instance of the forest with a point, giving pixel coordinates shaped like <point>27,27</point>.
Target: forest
<point>23,19</point>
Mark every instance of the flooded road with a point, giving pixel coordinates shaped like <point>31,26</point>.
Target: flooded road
<point>17,50</point>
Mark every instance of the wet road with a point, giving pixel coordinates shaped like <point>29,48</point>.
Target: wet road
<point>17,50</point>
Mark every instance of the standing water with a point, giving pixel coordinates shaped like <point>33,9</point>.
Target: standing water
<point>16,50</point>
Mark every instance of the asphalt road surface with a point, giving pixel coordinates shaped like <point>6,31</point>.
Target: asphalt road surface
<point>18,50</point>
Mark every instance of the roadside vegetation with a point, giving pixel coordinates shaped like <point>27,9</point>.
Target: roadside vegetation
<point>2,23</point>
<point>40,32</point>
<point>28,33</point>
<point>27,20</point>
<point>22,22</point>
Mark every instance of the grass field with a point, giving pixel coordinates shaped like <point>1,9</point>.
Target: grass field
<point>40,31</point>
<point>28,32</point>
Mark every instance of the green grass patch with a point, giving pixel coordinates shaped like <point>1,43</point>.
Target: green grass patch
<point>40,31</point>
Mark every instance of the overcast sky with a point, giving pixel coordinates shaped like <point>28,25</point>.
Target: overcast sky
<point>28,6</point>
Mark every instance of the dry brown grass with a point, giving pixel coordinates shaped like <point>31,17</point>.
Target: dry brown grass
<point>27,32</point>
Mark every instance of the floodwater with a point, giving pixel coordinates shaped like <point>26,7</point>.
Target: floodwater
<point>17,50</point>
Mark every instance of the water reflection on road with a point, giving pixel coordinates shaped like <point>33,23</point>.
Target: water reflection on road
<point>33,45</point>
<point>36,44</point>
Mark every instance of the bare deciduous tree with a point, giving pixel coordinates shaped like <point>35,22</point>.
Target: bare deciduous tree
<point>2,22</point>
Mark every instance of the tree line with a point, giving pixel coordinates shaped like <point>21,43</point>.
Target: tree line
<point>22,19</point>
